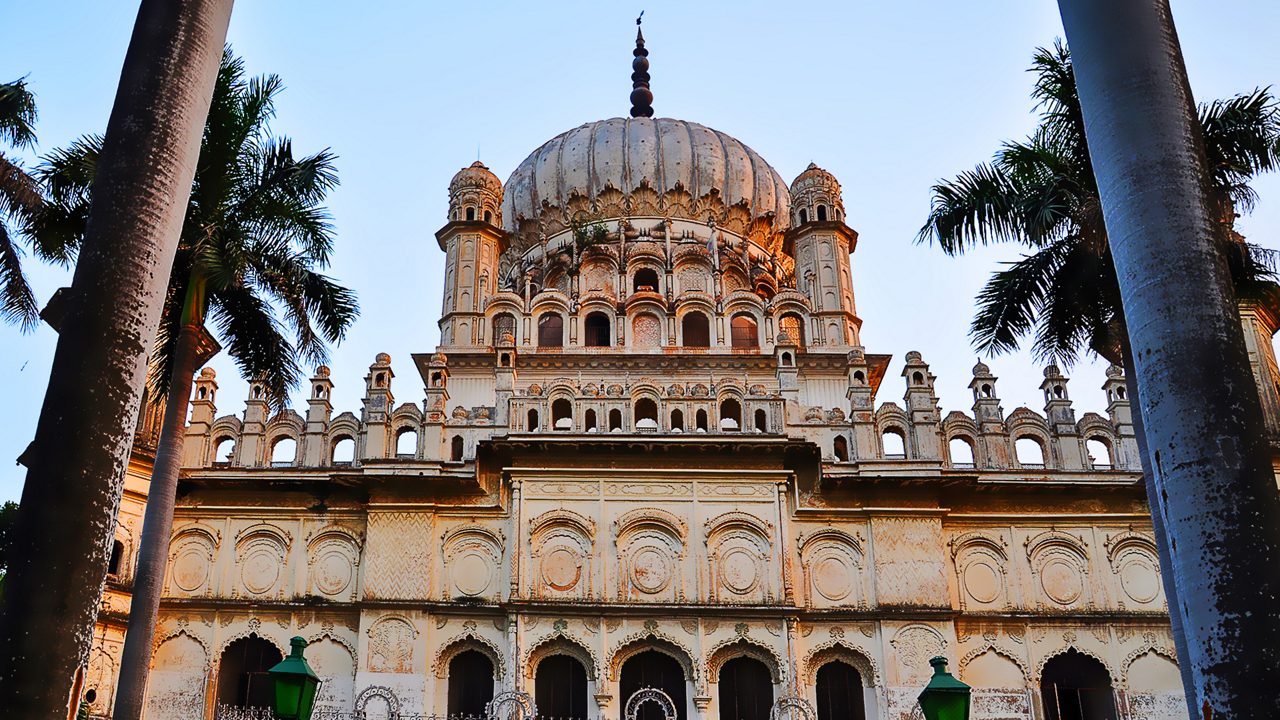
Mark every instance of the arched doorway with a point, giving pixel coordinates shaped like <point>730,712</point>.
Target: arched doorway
<point>839,691</point>
<point>470,683</point>
<point>655,669</point>
<point>560,688</point>
<point>1075,686</point>
<point>242,673</point>
<point>746,690</point>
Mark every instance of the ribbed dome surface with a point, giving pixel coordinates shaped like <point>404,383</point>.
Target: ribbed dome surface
<point>621,152</point>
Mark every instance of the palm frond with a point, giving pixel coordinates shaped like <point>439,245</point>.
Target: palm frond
<point>17,114</point>
<point>255,341</point>
<point>1011,300</point>
<point>978,207</point>
<point>17,303</point>
<point>19,193</point>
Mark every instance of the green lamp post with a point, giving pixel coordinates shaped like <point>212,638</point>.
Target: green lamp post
<point>295,684</point>
<point>944,698</point>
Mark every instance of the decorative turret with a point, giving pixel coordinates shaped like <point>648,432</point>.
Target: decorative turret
<point>255,424</point>
<point>641,95</point>
<point>922,406</point>
<point>989,416</point>
<point>203,412</point>
<point>1062,419</point>
<point>472,240</point>
<point>475,194</point>
<point>821,244</point>
<point>378,402</point>
<point>1118,399</point>
<point>319,411</point>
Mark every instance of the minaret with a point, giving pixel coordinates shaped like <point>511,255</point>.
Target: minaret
<point>641,95</point>
<point>821,244</point>
<point>473,240</point>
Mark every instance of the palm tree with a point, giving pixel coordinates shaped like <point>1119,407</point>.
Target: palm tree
<point>76,463</point>
<point>19,197</point>
<point>1043,194</point>
<point>254,236</point>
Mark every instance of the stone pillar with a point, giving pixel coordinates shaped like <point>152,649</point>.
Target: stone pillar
<point>251,450</point>
<point>315,450</point>
<point>989,416</point>
<point>378,401</point>
<point>203,412</point>
<point>1067,445</point>
<point>921,403</point>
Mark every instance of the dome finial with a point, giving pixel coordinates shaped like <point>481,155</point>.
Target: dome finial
<point>641,96</point>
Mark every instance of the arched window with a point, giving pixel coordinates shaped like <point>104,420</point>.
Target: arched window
<point>655,669</point>
<point>470,683</point>
<point>986,390</point>
<point>117,557</point>
<point>840,447</point>
<point>839,691</point>
<point>645,280</point>
<point>455,451</point>
<point>1029,451</point>
<point>677,420</point>
<point>696,330</point>
<point>488,216</point>
<point>822,213</point>
<point>471,213</point>
<point>344,451</point>
<point>284,452</point>
<point>596,330</point>
<point>561,414</point>
<point>550,330</point>
<point>804,215</point>
<point>589,421</point>
<point>700,420</point>
<point>961,449</point>
<point>646,417</point>
<point>503,324</point>
<point>504,360</point>
<point>746,690</point>
<point>560,688</point>
<point>223,451</point>
<point>406,443</point>
<point>242,674</point>
<point>917,378</point>
<point>894,444</point>
<point>787,360</point>
<point>730,414</point>
<point>532,422</point>
<point>1075,686</point>
<point>615,420</point>
<point>743,331</point>
<point>1099,453</point>
<point>793,326</point>
<point>762,420</point>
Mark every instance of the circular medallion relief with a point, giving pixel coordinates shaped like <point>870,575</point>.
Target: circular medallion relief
<point>1061,581</point>
<point>260,569</point>
<point>982,582</point>
<point>472,573</point>
<point>333,572</point>
<point>739,570</point>
<point>561,568</point>
<point>650,569</point>
<point>832,578</point>
<point>191,569</point>
<point>1140,580</point>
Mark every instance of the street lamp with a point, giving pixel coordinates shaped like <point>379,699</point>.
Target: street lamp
<point>944,698</point>
<point>295,684</point>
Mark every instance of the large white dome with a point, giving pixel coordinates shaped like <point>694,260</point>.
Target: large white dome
<point>623,152</point>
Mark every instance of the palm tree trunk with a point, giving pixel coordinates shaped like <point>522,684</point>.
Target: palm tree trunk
<point>1211,464</point>
<point>77,460</point>
<point>191,352</point>
<point>1158,528</point>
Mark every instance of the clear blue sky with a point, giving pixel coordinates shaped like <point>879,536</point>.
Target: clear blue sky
<point>888,96</point>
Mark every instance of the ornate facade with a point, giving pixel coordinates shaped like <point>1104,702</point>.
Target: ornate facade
<point>651,434</point>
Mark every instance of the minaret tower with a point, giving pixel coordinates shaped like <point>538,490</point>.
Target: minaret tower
<point>472,240</point>
<point>821,244</point>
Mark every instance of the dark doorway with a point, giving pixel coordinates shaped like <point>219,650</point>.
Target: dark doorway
<point>470,683</point>
<point>746,690</point>
<point>696,330</point>
<point>655,669</point>
<point>596,329</point>
<point>550,330</point>
<point>1075,686</point>
<point>839,689</point>
<point>560,688</point>
<point>242,674</point>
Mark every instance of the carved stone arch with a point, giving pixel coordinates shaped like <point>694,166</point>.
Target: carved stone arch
<point>1094,424</point>
<point>265,529</point>
<point>472,559</point>
<point>469,640</point>
<point>1148,646</point>
<point>637,520</point>
<point>740,551</point>
<point>1056,539</point>
<point>1039,666</point>
<point>649,696</point>
<point>992,647</point>
<point>193,550</point>
<point>736,520</point>
<point>406,414</point>
<point>1060,564</point>
<point>185,629</point>
<point>561,518</point>
<point>742,646</point>
<point>831,561</point>
<point>991,542</point>
<point>653,639</point>
<point>561,642</point>
<point>550,301</point>
<point>254,629</point>
<point>1129,540</point>
<point>333,559</point>
<point>859,659</point>
<point>562,546</point>
<point>333,531</point>
<point>378,691</point>
<point>495,540</point>
<point>1135,563</point>
<point>829,535</point>
<point>346,644</point>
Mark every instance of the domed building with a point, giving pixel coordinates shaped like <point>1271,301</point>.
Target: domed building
<point>654,473</point>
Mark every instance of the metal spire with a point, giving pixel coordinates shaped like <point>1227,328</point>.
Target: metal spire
<point>641,96</point>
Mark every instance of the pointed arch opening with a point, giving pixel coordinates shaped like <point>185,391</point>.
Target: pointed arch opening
<point>1075,686</point>
<point>470,684</point>
<point>560,688</point>
<point>746,689</point>
<point>656,669</point>
<point>242,673</point>
<point>838,686</point>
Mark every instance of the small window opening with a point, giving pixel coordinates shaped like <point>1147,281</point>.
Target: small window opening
<point>503,324</point>
<point>531,424</point>
<point>223,450</point>
<point>743,331</point>
<point>344,451</point>
<point>436,379</point>
<point>762,420</point>
<point>257,392</point>
<point>646,414</point>
<point>986,390</point>
<point>1120,392</point>
<point>646,280</point>
<point>822,213</point>
<point>596,330</point>
<point>455,453</point>
<point>677,421</point>
<point>859,376</point>
<point>787,360</point>
<point>615,420</point>
<point>550,330</point>
<point>471,213</point>
<point>505,360</point>
<point>284,452</point>
<point>407,443</point>
<point>562,414</point>
<point>804,215</point>
<point>917,378</point>
<point>1058,392</point>
<point>1029,451</point>
<point>700,421</point>
<point>117,555</point>
<point>840,447</point>
<point>730,415</point>
<point>589,421</point>
<point>203,393</point>
<point>1099,453</point>
<point>894,444</point>
<point>961,452</point>
<point>488,216</point>
<point>696,330</point>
